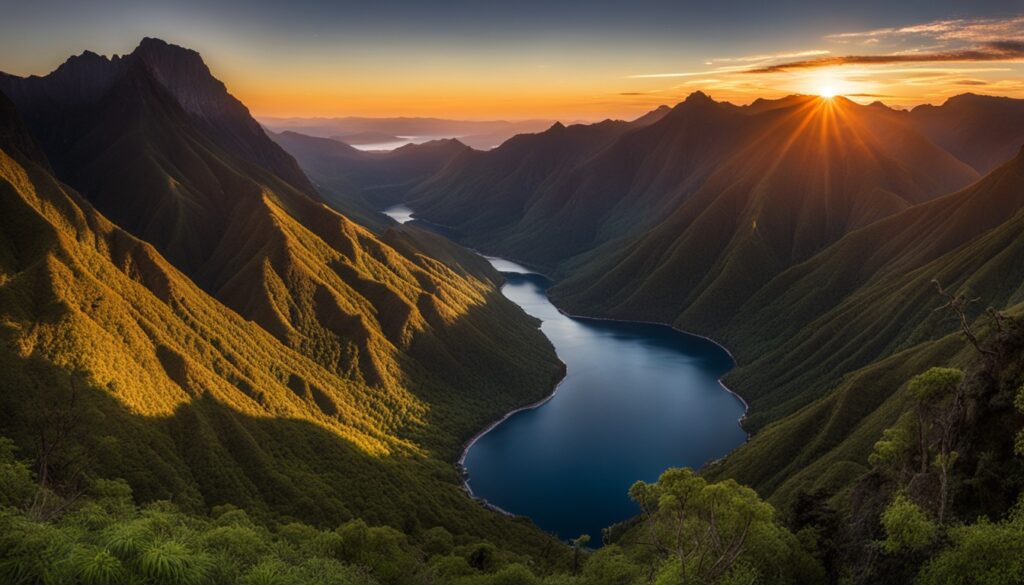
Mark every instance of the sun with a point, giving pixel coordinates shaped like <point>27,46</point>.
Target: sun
<point>826,91</point>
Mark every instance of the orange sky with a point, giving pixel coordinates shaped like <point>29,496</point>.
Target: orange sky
<point>566,87</point>
<point>575,62</point>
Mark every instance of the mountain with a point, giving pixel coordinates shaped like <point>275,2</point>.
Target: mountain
<point>74,89</point>
<point>983,131</point>
<point>835,337</point>
<point>361,182</point>
<point>802,233</point>
<point>790,180</point>
<point>234,339</point>
<point>478,134</point>
<point>512,198</point>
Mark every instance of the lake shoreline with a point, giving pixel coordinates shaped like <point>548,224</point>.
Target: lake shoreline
<point>460,463</point>
<point>528,268</point>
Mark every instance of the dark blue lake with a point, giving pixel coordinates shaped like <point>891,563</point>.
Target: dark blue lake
<point>637,399</point>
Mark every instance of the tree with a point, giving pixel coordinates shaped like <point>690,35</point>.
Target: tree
<point>939,398</point>
<point>709,531</point>
<point>1020,406</point>
<point>892,453</point>
<point>16,483</point>
<point>958,305</point>
<point>907,527</point>
<point>580,542</point>
<point>984,553</point>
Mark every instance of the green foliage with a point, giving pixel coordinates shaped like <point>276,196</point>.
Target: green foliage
<point>716,532</point>
<point>436,541</point>
<point>610,565</point>
<point>891,450</point>
<point>935,384</point>
<point>907,527</point>
<point>96,544</point>
<point>983,553</point>
<point>97,566</point>
<point>1020,406</point>
<point>16,482</point>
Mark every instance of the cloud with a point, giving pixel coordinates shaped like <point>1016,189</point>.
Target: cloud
<point>960,29</point>
<point>715,71</point>
<point>1002,50</point>
<point>771,57</point>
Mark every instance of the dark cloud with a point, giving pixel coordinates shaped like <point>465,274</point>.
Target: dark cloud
<point>1008,50</point>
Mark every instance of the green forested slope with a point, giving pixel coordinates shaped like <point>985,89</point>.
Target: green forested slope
<point>343,390</point>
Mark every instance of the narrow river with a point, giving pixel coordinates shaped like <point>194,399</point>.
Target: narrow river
<point>637,398</point>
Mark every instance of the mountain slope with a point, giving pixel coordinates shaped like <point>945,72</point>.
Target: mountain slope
<point>615,181</point>
<point>983,131</point>
<point>185,399</point>
<point>836,337</point>
<point>800,176</point>
<point>279,357</point>
<point>316,281</point>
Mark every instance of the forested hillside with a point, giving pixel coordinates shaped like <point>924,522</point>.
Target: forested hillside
<point>338,381</point>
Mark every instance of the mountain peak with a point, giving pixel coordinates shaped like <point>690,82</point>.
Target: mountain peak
<point>183,72</point>
<point>695,99</point>
<point>698,97</point>
<point>153,42</point>
<point>151,47</point>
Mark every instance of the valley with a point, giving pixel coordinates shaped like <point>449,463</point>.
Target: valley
<point>637,398</point>
<point>773,338</point>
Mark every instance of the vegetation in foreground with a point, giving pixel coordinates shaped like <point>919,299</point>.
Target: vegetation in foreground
<point>692,531</point>
<point>941,504</point>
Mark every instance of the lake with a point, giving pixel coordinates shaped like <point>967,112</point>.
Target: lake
<point>637,398</point>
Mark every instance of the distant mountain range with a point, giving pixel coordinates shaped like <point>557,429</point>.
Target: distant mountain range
<point>359,183</point>
<point>478,134</point>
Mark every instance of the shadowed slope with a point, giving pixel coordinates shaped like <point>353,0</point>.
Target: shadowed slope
<point>983,131</point>
<point>501,196</point>
<point>862,316</point>
<point>82,81</point>
<point>556,201</point>
<point>802,174</point>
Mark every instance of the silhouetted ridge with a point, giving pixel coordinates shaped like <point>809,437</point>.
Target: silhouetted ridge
<point>82,81</point>
<point>13,135</point>
<point>983,131</point>
<point>698,97</point>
